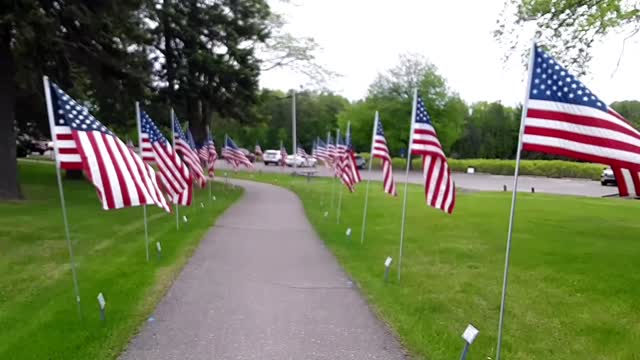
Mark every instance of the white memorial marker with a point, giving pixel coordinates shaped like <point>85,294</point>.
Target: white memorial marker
<point>184,218</point>
<point>387,266</point>
<point>102,304</point>
<point>159,248</point>
<point>348,233</point>
<point>469,335</point>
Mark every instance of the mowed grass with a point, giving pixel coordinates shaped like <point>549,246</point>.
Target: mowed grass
<point>38,316</point>
<point>573,283</point>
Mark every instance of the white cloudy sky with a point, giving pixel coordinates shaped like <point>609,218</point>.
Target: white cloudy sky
<point>363,37</point>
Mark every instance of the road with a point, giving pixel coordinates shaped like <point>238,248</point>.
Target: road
<point>478,182</point>
<point>263,286</point>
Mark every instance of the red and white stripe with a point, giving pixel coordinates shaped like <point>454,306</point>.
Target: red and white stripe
<point>381,151</point>
<point>173,173</point>
<point>119,175</point>
<point>191,158</point>
<point>439,188</point>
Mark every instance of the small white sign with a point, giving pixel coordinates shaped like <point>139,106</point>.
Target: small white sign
<point>387,262</point>
<point>101,301</point>
<point>348,232</point>
<point>471,170</point>
<point>326,213</point>
<point>470,334</point>
<point>202,205</point>
<point>158,246</point>
<point>184,218</point>
<point>214,198</point>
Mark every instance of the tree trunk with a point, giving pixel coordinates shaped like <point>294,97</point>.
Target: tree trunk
<point>9,184</point>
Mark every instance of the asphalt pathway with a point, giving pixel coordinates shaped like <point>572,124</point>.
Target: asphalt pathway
<point>262,285</point>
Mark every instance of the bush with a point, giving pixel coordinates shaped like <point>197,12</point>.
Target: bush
<point>548,168</point>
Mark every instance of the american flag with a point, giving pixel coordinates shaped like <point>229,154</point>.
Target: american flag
<point>119,175</point>
<point>341,166</point>
<point>302,153</point>
<point>380,150</point>
<point>173,173</point>
<point>321,150</point>
<point>439,189</point>
<point>350,158</point>
<point>331,149</point>
<point>234,155</point>
<point>185,146</point>
<point>208,153</point>
<point>565,118</point>
<point>67,156</point>
<point>257,150</point>
<point>283,154</point>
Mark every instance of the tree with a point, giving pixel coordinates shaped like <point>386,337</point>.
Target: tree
<point>81,45</point>
<point>391,94</point>
<point>569,27</point>
<point>630,110</point>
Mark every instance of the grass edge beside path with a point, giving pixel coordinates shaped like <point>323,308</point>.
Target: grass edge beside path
<point>38,317</point>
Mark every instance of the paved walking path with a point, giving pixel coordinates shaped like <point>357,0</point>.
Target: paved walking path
<point>263,286</point>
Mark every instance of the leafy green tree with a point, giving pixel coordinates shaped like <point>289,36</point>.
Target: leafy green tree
<point>569,27</point>
<point>84,46</point>
<point>630,110</point>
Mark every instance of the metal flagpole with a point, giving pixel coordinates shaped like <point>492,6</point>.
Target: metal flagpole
<point>513,203</point>
<point>209,179</point>
<point>339,196</point>
<point>366,194</point>
<point>293,122</point>
<point>406,180</point>
<point>47,92</point>
<point>173,143</point>
<point>144,207</point>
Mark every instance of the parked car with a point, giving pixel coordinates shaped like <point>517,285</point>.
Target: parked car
<point>26,145</point>
<point>300,161</point>
<point>271,157</point>
<point>607,177</point>
<point>248,154</point>
<point>361,163</point>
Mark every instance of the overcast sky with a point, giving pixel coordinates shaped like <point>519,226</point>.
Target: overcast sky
<point>363,37</point>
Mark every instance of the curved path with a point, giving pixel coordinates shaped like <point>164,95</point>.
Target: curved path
<point>263,286</point>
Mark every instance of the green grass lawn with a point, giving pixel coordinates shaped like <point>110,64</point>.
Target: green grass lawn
<point>38,317</point>
<point>573,288</point>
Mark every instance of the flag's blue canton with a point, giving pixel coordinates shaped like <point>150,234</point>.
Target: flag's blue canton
<point>379,130</point>
<point>339,140</point>
<point>552,82</point>
<point>231,144</point>
<point>329,140</point>
<point>177,129</point>
<point>58,113</point>
<point>76,115</point>
<point>149,127</point>
<point>422,116</point>
<point>321,144</point>
<point>190,141</point>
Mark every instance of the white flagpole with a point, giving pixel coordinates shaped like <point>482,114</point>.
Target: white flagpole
<point>144,207</point>
<point>339,196</point>
<point>47,92</point>
<point>513,203</point>
<point>173,143</point>
<point>366,194</point>
<point>283,161</point>
<point>406,180</point>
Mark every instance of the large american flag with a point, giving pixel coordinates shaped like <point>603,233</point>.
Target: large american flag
<point>439,189</point>
<point>208,154</point>
<point>234,155</point>
<point>350,158</point>
<point>341,165</point>
<point>185,146</point>
<point>302,153</point>
<point>565,118</point>
<point>380,150</point>
<point>119,175</point>
<point>173,173</point>
<point>331,149</point>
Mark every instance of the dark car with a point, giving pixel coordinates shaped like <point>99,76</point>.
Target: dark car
<point>25,145</point>
<point>248,154</point>
<point>360,162</point>
<point>607,177</point>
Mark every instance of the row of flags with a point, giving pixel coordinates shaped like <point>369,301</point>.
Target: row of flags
<point>122,176</point>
